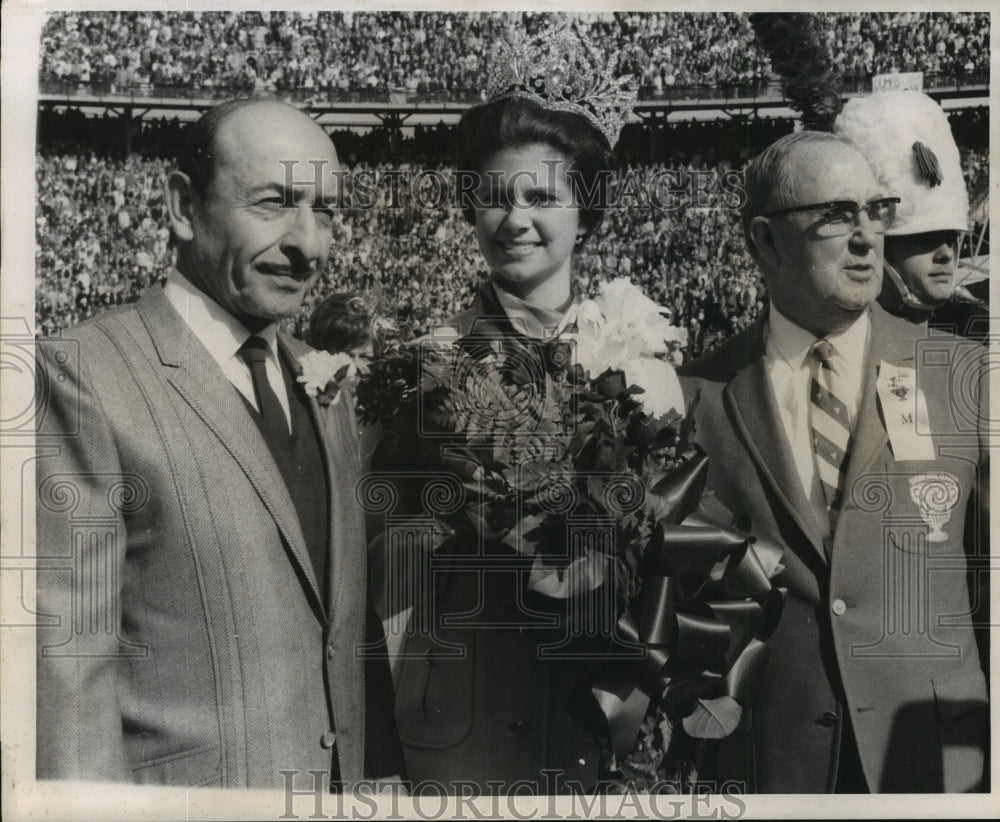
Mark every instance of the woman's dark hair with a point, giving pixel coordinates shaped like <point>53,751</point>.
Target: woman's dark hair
<point>340,322</point>
<point>512,122</point>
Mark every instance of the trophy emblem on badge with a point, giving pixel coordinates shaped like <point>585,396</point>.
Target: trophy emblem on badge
<point>936,495</point>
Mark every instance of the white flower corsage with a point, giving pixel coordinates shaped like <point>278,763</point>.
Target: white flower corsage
<point>623,329</point>
<point>325,375</point>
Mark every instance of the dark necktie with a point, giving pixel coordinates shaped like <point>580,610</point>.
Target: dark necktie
<point>275,429</point>
<point>830,421</point>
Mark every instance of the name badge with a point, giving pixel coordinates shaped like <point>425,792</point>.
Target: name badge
<point>904,408</point>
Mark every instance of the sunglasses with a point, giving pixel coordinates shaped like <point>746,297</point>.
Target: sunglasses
<point>839,217</point>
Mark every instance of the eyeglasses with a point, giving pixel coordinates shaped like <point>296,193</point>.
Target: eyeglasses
<point>839,217</point>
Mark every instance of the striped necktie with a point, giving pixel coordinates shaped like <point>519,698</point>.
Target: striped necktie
<point>830,421</point>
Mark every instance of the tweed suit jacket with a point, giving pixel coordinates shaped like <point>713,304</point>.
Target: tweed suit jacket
<point>876,625</point>
<point>182,635</point>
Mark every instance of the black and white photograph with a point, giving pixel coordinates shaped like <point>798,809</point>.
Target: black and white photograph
<point>423,411</point>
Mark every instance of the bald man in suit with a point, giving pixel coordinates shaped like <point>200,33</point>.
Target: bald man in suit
<point>202,600</point>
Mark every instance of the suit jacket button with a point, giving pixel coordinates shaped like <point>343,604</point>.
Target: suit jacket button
<point>839,607</point>
<point>329,651</point>
<point>328,740</point>
<point>828,720</point>
<point>522,727</point>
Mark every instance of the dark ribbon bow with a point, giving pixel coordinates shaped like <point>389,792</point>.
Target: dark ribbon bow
<point>697,628</point>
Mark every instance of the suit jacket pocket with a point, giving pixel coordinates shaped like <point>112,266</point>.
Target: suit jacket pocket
<point>434,694</point>
<point>194,767</point>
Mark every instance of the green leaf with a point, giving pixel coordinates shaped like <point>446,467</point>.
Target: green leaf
<point>714,718</point>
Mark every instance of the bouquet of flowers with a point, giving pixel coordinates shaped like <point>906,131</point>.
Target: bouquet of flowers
<point>589,428</point>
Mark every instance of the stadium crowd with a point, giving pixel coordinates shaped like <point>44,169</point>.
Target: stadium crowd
<point>936,43</point>
<point>102,234</point>
<point>426,52</point>
<point>103,237</point>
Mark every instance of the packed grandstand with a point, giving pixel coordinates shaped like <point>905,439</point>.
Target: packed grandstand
<point>443,51</point>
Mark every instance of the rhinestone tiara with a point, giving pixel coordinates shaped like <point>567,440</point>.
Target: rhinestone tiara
<point>561,70</point>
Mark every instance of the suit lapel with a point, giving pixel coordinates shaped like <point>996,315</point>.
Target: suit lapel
<point>755,413</point>
<point>323,417</point>
<point>870,435</point>
<point>201,383</point>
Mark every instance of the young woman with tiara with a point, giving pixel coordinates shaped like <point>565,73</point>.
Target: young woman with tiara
<point>476,701</point>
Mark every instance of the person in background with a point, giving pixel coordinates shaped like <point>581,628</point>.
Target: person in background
<point>342,323</point>
<point>906,138</point>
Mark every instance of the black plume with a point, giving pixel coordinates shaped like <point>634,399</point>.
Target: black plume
<point>794,43</point>
<point>927,163</point>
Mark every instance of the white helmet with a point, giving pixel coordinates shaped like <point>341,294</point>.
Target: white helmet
<point>907,140</point>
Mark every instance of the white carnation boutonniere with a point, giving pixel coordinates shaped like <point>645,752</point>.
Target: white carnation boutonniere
<point>325,375</point>
<point>623,330</point>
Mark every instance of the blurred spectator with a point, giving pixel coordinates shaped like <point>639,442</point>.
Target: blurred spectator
<point>340,323</point>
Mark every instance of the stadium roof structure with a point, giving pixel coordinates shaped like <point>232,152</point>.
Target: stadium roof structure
<point>400,104</point>
<point>399,108</point>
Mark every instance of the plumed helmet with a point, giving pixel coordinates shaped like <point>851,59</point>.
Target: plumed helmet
<point>907,140</point>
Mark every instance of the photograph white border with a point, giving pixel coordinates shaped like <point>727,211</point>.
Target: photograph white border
<point>22,797</point>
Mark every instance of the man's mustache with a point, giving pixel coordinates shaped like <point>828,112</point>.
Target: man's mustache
<point>303,273</point>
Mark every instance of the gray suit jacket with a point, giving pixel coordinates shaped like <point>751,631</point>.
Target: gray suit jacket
<point>880,627</point>
<point>182,635</point>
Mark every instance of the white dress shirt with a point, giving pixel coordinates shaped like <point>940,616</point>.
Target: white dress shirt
<point>529,319</point>
<point>222,335</point>
<point>789,370</point>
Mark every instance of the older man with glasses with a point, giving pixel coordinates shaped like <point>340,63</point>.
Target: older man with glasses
<point>849,438</point>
